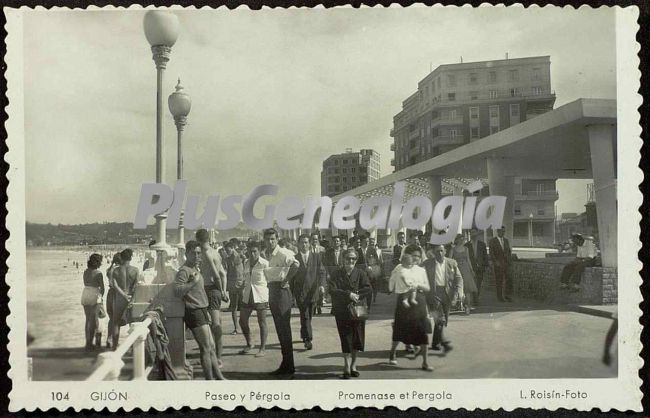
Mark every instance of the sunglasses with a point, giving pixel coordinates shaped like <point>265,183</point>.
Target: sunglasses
<point>351,258</point>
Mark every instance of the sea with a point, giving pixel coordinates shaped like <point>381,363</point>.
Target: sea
<point>55,317</point>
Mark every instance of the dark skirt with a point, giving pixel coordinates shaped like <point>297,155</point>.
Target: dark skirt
<point>352,333</point>
<point>412,324</point>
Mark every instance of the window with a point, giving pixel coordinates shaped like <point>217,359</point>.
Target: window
<point>517,210</point>
<point>473,95</point>
<point>336,162</point>
<point>336,188</point>
<point>540,211</point>
<point>353,169</point>
<point>514,92</point>
<point>336,171</point>
<point>453,114</point>
<point>473,112</point>
<point>473,79</point>
<point>345,161</point>
<point>451,97</point>
<point>453,133</point>
<point>494,94</point>
<point>345,170</point>
<point>353,179</point>
<point>537,91</point>
<point>433,86</point>
<point>515,117</point>
<point>536,74</point>
<point>474,133</point>
<point>513,75</point>
<point>451,80</point>
<point>438,82</point>
<point>492,77</point>
<point>494,119</point>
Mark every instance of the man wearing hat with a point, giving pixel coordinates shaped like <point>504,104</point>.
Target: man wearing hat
<point>572,272</point>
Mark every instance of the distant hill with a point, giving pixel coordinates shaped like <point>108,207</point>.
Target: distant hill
<point>110,233</point>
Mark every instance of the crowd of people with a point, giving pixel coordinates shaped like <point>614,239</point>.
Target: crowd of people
<point>274,275</point>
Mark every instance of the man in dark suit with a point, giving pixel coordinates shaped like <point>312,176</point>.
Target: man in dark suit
<point>333,256</point>
<point>398,248</point>
<point>308,283</point>
<point>446,284</point>
<point>478,256</point>
<point>501,258</point>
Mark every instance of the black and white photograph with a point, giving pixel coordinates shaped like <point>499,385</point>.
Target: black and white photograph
<point>356,198</point>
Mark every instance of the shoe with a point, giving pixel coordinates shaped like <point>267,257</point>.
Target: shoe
<point>392,362</point>
<point>355,373</point>
<point>219,363</point>
<point>427,368</point>
<point>246,350</point>
<point>308,345</point>
<point>468,310</point>
<point>235,332</point>
<point>283,371</point>
<point>260,353</point>
<point>345,376</point>
<point>435,347</point>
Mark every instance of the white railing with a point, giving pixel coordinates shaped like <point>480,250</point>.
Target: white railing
<point>109,364</point>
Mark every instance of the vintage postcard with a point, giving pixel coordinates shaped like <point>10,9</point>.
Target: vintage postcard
<point>388,206</point>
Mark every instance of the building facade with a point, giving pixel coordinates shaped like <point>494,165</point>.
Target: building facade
<point>457,104</point>
<point>343,172</point>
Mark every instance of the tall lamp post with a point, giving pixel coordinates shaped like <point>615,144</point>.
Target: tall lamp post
<point>530,229</point>
<point>180,105</point>
<point>161,29</point>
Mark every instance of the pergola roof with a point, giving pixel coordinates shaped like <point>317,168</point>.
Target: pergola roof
<point>552,145</point>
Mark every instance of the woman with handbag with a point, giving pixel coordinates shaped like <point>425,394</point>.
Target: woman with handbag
<point>412,323</point>
<point>349,287</point>
<point>90,296</point>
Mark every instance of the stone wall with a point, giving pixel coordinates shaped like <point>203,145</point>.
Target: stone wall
<point>540,280</point>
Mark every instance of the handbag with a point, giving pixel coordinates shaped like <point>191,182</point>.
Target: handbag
<point>359,312</point>
<point>101,311</point>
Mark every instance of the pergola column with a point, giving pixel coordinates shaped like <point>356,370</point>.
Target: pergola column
<point>601,145</point>
<point>502,185</point>
<point>435,193</point>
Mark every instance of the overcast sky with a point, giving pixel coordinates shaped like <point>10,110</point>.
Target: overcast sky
<point>274,93</point>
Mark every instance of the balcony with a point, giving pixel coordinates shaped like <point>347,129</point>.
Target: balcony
<point>447,140</point>
<point>392,147</point>
<point>447,121</point>
<point>415,134</point>
<point>538,195</point>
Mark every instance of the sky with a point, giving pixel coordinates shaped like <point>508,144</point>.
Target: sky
<point>274,93</point>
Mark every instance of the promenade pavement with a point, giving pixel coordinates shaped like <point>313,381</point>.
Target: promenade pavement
<point>523,339</point>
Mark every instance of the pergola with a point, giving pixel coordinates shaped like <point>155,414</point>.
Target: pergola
<point>575,141</point>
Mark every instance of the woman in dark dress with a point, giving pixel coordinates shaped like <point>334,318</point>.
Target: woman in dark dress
<point>91,296</point>
<point>412,323</point>
<point>349,285</point>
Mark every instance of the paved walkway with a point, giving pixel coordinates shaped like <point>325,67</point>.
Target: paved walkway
<point>524,339</point>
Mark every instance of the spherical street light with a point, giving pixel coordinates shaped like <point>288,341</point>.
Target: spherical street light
<point>161,30</point>
<point>180,105</point>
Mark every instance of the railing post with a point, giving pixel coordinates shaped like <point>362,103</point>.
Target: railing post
<point>114,363</point>
<point>138,358</point>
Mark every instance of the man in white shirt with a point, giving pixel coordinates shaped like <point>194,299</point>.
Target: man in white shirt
<point>446,283</point>
<point>279,275</point>
<point>572,272</point>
